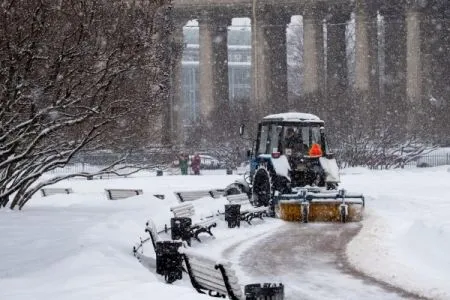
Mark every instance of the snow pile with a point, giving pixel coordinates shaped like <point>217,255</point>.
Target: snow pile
<point>405,239</point>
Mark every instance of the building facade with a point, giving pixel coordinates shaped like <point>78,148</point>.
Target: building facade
<point>239,70</point>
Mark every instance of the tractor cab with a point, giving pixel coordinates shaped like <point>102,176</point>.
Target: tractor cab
<point>293,134</point>
<point>292,167</point>
<point>293,148</point>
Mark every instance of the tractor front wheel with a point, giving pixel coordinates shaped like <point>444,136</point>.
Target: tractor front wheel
<point>261,192</point>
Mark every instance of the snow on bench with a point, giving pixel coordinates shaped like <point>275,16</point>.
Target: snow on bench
<point>218,279</point>
<point>184,196</point>
<point>52,191</point>
<point>150,227</point>
<point>247,211</point>
<point>115,194</point>
<point>187,210</point>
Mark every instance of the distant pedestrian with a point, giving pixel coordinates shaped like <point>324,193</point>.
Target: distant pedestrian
<point>195,164</point>
<point>183,161</point>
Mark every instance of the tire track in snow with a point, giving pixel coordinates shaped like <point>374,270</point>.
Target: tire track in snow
<point>311,262</point>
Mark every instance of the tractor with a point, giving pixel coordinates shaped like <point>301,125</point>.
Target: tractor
<point>291,159</point>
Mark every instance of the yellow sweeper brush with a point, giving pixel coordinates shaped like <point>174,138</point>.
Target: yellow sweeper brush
<point>306,206</point>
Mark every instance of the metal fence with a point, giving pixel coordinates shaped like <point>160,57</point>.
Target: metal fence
<point>94,162</point>
<point>151,162</point>
<point>432,160</point>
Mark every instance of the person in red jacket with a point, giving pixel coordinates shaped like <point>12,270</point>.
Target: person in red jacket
<point>195,164</point>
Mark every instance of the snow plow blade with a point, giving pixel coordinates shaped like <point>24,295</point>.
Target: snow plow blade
<point>306,206</point>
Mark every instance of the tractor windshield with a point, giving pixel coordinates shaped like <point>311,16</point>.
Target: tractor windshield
<point>298,139</point>
<point>291,140</point>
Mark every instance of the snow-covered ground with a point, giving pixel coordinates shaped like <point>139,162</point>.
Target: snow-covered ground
<point>78,246</point>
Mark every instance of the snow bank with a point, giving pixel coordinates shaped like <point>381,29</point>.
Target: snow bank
<point>405,239</point>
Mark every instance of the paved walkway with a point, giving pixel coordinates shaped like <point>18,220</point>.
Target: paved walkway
<point>310,261</point>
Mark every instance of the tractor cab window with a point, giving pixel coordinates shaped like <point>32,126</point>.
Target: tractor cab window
<point>275,134</point>
<point>315,135</point>
<point>263,139</point>
<point>311,135</point>
<point>313,140</point>
<point>269,139</point>
<point>293,141</point>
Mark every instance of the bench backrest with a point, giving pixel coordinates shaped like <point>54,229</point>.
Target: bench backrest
<point>216,277</point>
<point>238,199</point>
<point>183,210</point>
<point>52,191</point>
<point>194,195</point>
<point>115,194</point>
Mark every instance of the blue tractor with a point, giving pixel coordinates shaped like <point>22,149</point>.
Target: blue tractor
<point>290,154</point>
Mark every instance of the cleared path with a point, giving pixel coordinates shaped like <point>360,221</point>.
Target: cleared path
<point>310,260</point>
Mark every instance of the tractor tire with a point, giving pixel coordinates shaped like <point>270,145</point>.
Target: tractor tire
<point>233,189</point>
<point>331,186</point>
<point>262,187</point>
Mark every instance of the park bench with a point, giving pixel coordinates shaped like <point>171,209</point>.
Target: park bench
<point>184,196</point>
<point>218,279</point>
<point>168,259</point>
<point>187,210</point>
<point>52,191</point>
<point>115,194</point>
<point>247,211</point>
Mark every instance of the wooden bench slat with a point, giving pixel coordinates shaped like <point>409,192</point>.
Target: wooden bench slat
<point>205,222</point>
<point>247,210</point>
<point>116,194</point>
<point>53,191</point>
<point>205,276</point>
<point>211,285</point>
<point>214,275</point>
<point>187,210</point>
<point>238,198</point>
<point>194,195</point>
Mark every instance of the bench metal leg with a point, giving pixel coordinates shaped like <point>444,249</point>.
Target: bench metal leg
<point>198,230</point>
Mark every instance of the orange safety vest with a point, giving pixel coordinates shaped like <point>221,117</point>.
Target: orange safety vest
<point>315,150</point>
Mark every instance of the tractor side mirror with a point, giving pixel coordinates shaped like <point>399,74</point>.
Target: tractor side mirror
<point>241,129</point>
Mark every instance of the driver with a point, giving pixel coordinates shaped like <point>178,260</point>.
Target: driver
<point>294,142</point>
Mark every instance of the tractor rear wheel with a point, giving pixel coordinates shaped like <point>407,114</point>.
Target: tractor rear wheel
<point>262,189</point>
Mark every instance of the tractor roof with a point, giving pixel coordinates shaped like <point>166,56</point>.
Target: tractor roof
<point>293,117</point>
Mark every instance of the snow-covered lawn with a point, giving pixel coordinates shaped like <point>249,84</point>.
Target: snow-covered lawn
<point>78,246</point>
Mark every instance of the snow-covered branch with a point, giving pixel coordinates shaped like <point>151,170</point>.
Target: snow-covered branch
<point>72,77</point>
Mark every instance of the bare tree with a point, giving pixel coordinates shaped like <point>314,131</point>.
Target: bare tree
<point>219,136</point>
<point>74,75</point>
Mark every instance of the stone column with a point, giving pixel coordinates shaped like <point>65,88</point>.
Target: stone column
<point>176,104</point>
<point>366,84</point>
<point>259,70</point>
<point>436,62</point>
<point>213,64</point>
<point>313,53</point>
<point>394,79</point>
<point>338,109</point>
<point>337,70</point>
<point>269,62</point>
<point>413,69</point>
